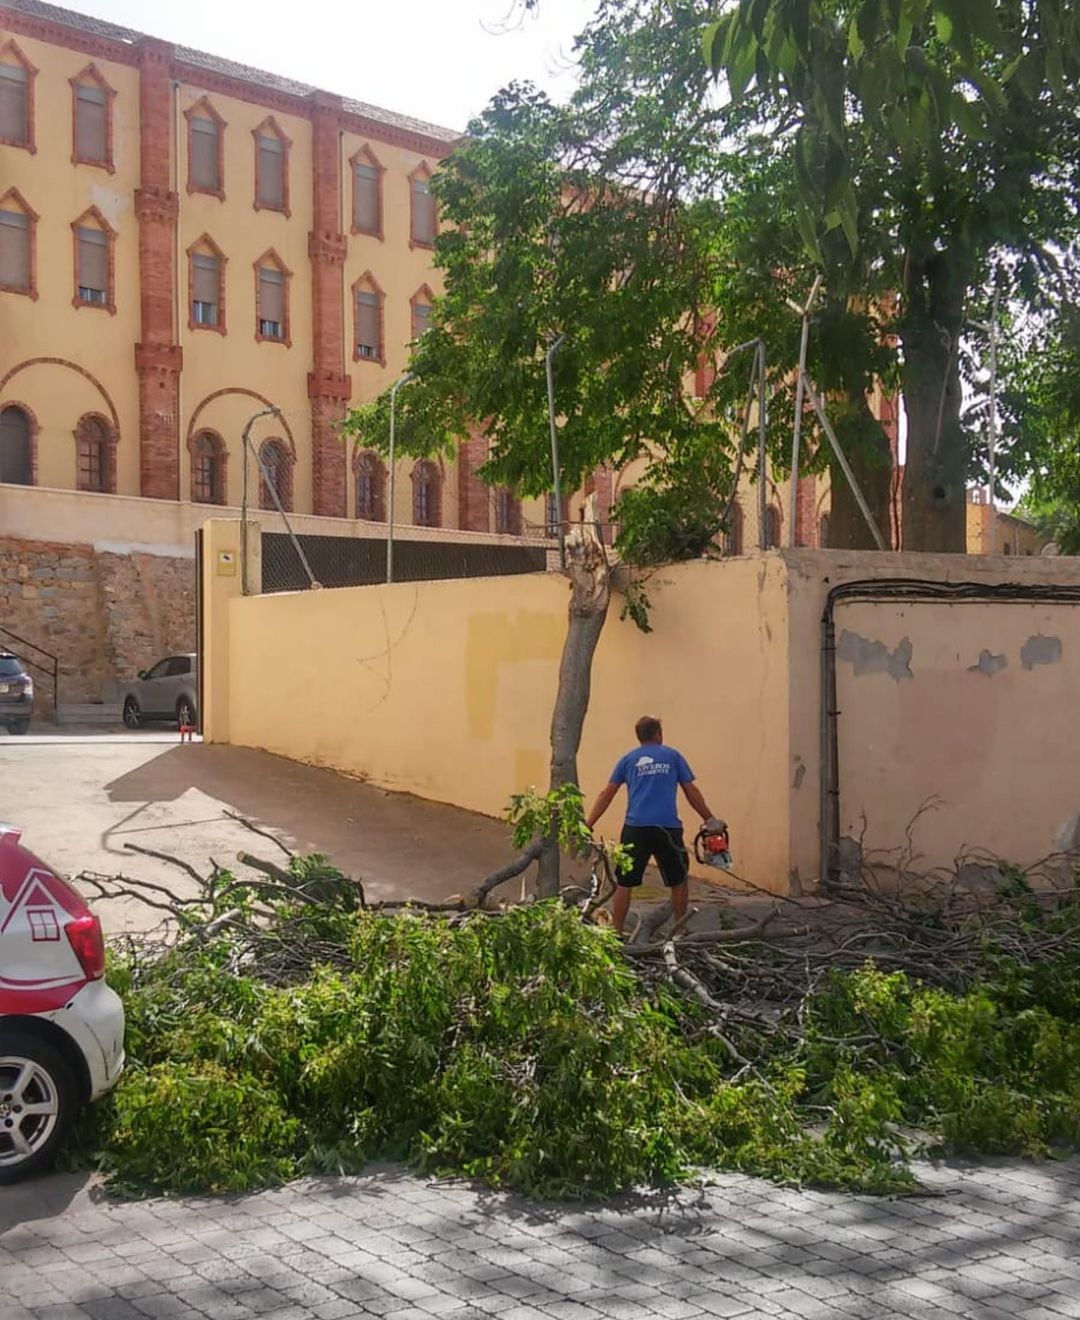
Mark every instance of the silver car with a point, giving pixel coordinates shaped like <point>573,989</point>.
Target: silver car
<point>166,692</point>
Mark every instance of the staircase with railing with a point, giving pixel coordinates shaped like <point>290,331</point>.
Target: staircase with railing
<point>46,663</point>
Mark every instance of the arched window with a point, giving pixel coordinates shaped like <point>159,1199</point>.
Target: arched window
<point>733,533</point>
<point>91,119</point>
<point>370,488</point>
<point>772,527</point>
<point>95,455</point>
<point>16,447</point>
<point>272,278</point>
<point>367,193</point>
<point>271,167</point>
<point>205,150</point>
<point>17,234</point>
<point>94,261</point>
<point>423,219</point>
<point>16,98</point>
<point>368,311</point>
<point>275,469</point>
<point>427,495</point>
<point>823,532</point>
<point>208,469</point>
<point>507,513</point>
<point>206,286</point>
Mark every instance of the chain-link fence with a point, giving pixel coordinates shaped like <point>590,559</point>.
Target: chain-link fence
<point>349,561</point>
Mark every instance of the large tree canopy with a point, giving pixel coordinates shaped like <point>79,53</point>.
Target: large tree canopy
<point>955,126</point>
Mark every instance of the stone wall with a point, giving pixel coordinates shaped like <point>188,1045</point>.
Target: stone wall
<point>103,615</point>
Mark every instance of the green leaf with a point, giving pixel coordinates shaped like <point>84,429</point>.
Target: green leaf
<point>943,25</point>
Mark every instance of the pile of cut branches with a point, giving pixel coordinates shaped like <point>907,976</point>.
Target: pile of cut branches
<point>280,1023</point>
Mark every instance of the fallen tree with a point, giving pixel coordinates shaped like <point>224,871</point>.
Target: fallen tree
<point>279,1022</point>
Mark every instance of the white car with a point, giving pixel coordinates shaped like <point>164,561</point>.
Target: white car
<point>61,1027</point>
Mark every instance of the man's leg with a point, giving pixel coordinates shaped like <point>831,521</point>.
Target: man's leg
<point>632,839</point>
<point>620,906</point>
<point>679,895</point>
<point>674,863</point>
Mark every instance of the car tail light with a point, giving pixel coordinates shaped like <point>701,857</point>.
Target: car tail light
<point>85,937</point>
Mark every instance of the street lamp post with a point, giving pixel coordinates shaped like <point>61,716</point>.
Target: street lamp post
<point>244,446</point>
<point>403,380</point>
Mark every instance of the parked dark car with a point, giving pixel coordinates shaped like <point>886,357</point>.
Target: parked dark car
<point>16,694</point>
<point>166,692</point>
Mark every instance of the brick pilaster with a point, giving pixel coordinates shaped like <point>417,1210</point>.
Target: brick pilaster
<point>158,358</point>
<point>806,528</point>
<point>329,387</point>
<point>474,498</point>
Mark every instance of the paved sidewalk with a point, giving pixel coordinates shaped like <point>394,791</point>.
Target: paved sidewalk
<point>994,1242</point>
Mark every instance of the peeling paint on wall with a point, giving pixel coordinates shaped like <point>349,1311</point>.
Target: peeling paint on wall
<point>988,664</point>
<point>868,656</point>
<point>1041,650</point>
<point>800,773</point>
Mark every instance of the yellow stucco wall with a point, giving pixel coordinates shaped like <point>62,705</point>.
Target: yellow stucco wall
<point>446,689</point>
<point>997,749</point>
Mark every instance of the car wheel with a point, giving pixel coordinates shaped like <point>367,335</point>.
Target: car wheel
<point>38,1104</point>
<point>132,713</point>
<point>185,714</point>
<point>19,726</point>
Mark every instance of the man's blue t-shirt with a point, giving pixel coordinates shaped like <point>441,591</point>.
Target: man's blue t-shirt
<point>652,774</point>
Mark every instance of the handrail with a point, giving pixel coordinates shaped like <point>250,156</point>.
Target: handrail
<point>52,670</point>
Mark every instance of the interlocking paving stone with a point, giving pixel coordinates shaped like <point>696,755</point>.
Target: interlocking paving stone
<point>994,1242</point>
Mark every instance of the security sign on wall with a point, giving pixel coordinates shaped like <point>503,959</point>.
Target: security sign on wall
<point>226,563</point>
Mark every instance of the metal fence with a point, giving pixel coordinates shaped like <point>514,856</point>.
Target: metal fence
<point>348,561</point>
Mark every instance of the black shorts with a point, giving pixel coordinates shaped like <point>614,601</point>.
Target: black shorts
<point>649,841</point>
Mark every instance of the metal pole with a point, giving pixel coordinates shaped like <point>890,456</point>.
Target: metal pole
<point>272,487</point>
<point>841,458</point>
<point>402,380</point>
<point>800,386</point>
<point>762,461</point>
<point>992,445</point>
<point>244,445</point>
<point>552,350</point>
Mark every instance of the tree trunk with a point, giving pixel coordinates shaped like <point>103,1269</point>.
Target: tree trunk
<point>590,593</point>
<point>935,494</point>
<point>871,461</point>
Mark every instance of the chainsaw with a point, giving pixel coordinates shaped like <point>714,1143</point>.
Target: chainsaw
<point>712,844</point>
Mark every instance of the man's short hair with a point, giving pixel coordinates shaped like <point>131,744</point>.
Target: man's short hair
<point>648,729</point>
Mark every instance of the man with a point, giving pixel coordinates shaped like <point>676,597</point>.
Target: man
<point>652,775</point>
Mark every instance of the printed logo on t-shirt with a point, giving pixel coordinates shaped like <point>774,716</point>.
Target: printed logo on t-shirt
<point>646,765</point>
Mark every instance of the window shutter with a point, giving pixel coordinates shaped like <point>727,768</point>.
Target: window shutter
<point>366,199</point>
<point>423,212</point>
<point>206,278</point>
<point>271,295</point>
<point>204,153</point>
<point>367,324</point>
<point>421,318</point>
<point>271,171</point>
<point>14,119</point>
<point>93,259</point>
<point>91,138</point>
<point>14,249</point>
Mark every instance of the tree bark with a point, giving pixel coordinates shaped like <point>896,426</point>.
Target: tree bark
<point>871,461</point>
<point>935,494</point>
<point>590,593</point>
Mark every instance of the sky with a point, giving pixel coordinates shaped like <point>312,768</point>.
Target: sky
<point>437,60</point>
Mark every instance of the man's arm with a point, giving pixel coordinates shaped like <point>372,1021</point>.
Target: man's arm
<point>603,801</point>
<point>694,797</point>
